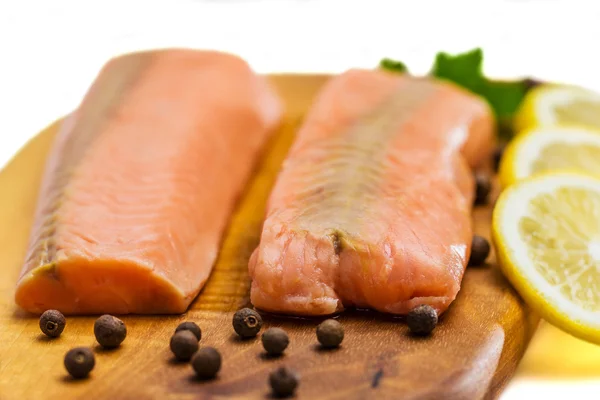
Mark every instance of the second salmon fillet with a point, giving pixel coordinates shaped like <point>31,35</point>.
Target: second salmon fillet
<point>141,182</point>
<point>372,208</point>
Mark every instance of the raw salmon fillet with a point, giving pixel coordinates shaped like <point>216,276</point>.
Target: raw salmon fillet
<point>372,206</point>
<point>141,182</point>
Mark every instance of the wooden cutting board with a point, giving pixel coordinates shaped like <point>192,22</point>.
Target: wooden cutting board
<point>471,355</point>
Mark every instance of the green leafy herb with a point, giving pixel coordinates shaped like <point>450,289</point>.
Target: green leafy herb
<point>504,96</point>
<point>462,69</point>
<point>466,70</point>
<point>393,65</point>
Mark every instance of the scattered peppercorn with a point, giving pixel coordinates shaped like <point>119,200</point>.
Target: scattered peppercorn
<point>109,331</point>
<point>505,128</point>
<point>190,326</point>
<point>283,382</point>
<point>531,83</point>
<point>247,323</point>
<point>206,362</point>
<point>483,187</point>
<point>79,362</point>
<point>480,250</point>
<point>497,156</point>
<point>52,323</point>
<point>183,345</point>
<point>422,320</point>
<point>275,341</point>
<point>330,333</point>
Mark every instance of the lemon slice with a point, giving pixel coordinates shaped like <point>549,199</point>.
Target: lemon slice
<point>547,149</point>
<point>548,105</point>
<point>546,232</point>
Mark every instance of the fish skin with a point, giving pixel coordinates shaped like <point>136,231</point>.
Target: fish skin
<point>372,206</point>
<point>141,182</point>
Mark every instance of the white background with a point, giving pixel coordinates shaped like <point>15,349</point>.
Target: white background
<point>50,51</point>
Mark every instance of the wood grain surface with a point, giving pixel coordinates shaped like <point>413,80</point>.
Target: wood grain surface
<point>471,355</point>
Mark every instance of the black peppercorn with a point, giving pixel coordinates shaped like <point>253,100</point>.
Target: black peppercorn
<point>190,326</point>
<point>109,331</point>
<point>275,341</point>
<point>483,187</point>
<point>497,157</point>
<point>505,128</point>
<point>531,83</point>
<point>247,323</point>
<point>79,362</point>
<point>52,323</point>
<point>480,250</point>
<point>206,362</point>
<point>183,345</point>
<point>283,382</point>
<point>330,333</point>
<point>422,320</point>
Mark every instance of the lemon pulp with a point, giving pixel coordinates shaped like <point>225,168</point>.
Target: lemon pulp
<point>549,149</point>
<point>562,235</point>
<point>556,156</point>
<point>552,104</point>
<point>578,112</point>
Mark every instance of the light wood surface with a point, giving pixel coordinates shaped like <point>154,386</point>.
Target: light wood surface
<point>472,354</point>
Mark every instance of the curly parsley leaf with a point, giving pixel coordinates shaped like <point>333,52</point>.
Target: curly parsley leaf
<point>463,69</point>
<point>504,96</point>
